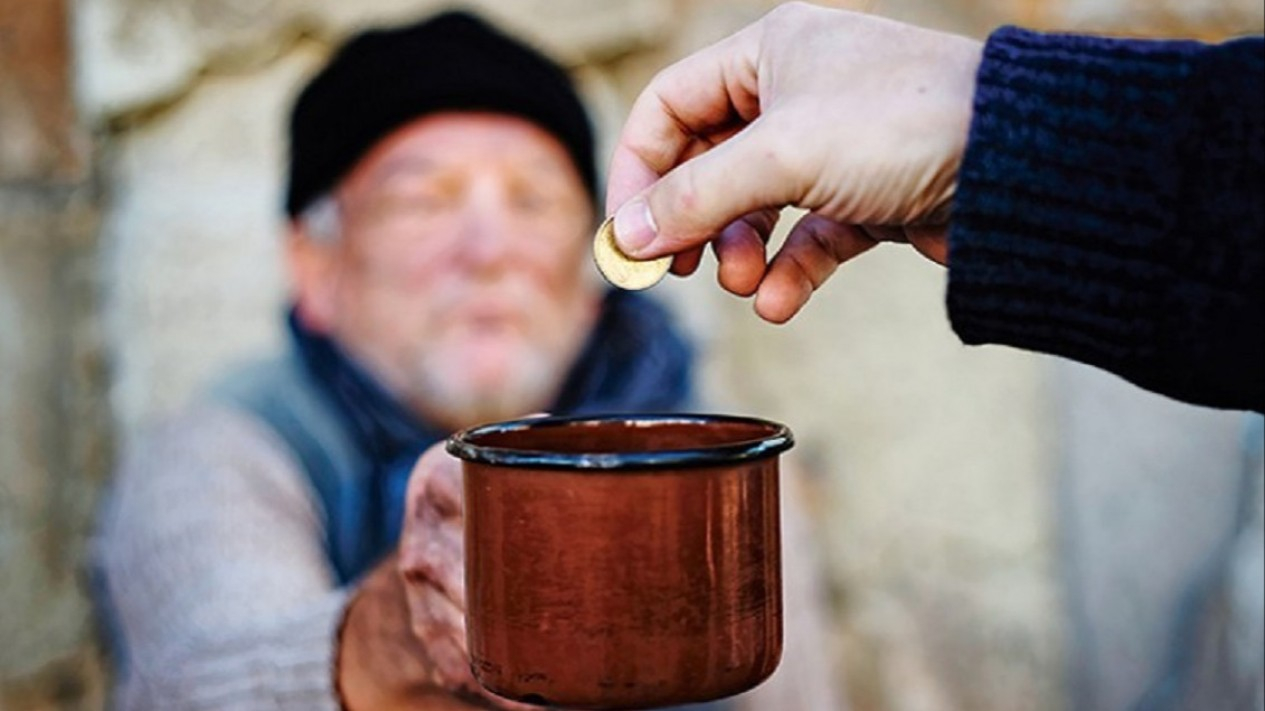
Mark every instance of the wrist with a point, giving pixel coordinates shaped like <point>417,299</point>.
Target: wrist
<point>378,663</point>
<point>340,652</point>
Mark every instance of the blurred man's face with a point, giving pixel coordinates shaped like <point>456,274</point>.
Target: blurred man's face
<point>458,273</point>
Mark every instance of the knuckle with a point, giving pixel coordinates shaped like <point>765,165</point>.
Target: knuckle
<point>791,13</point>
<point>681,191</point>
<point>420,561</point>
<point>785,153</point>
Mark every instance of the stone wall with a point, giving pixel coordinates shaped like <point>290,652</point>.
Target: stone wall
<point>935,470</point>
<point>54,420</point>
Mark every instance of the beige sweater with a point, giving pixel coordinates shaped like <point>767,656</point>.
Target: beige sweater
<point>215,574</point>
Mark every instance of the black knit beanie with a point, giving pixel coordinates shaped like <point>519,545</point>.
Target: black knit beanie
<point>384,78</point>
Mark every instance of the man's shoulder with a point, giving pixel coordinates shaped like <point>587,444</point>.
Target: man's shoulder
<point>281,394</point>
<point>202,437</point>
<point>196,460</point>
<point>270,376</point>
<point>218,435</point>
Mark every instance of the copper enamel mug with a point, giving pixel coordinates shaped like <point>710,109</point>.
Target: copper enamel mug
<point>623,562</point>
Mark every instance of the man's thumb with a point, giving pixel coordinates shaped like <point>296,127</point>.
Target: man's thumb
<point>697,199</point>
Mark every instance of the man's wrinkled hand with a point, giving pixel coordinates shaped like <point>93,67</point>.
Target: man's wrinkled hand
<point>431,564</point>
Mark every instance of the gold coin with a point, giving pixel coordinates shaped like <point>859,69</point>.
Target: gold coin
<point>620,269</point>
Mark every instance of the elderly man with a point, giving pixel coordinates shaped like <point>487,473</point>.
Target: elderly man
<point>276,546</point>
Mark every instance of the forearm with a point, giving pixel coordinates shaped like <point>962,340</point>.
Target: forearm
<point>213,574</point>
<point>282,665</point>
<point>377,660</point>
<point>1108,211</point>
<point>380,664</point>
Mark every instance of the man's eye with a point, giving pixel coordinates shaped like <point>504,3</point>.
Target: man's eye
<point>533,202</point>
<point>430,202</point>
<point>421,204</point>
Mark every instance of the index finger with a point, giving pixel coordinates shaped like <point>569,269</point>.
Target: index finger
<point>707,92</point>
<point>435,482</point>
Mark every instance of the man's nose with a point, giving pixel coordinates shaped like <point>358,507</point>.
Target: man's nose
<point>487,237</point>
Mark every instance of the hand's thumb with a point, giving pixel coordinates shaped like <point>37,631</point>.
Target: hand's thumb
<point>697,199</point>
<point>435,483</point>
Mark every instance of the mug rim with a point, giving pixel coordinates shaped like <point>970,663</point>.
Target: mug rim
<point>463,444</point>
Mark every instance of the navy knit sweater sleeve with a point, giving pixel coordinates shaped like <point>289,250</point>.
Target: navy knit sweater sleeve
<point>1109,210</point>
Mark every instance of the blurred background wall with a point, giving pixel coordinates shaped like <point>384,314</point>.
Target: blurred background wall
<point>1000,530</point>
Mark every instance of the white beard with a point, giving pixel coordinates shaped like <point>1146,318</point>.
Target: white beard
<point>446,390</point>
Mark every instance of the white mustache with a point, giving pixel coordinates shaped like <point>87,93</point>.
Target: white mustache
<point>515,300</point>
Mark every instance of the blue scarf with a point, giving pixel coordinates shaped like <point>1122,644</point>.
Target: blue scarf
<point>634,362</point>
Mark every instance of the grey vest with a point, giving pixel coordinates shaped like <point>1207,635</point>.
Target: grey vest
<point>281,393</point>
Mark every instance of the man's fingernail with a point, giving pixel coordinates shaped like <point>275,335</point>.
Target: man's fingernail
<point>634,226</point>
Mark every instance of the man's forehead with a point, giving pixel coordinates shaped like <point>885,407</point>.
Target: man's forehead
<point>440,140</point>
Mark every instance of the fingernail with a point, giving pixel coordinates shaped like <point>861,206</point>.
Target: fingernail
<point>634,226</point>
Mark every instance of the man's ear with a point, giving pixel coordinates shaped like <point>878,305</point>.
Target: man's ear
<point>313,266</point>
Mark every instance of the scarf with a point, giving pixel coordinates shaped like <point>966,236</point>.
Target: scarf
<point>634,361</point>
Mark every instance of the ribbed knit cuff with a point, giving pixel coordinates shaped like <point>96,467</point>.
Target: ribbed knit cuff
<point>285,665</point>
<point>1065,190</point>
<point>301,673</point>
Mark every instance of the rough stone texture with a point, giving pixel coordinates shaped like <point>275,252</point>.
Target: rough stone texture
<point>193,237</point>
<point>150,52</point>
<point>38,136</point>
<point>1209,19</point>
<point>53,448</point>
<point>1149,495</point>
<point>53,415</point>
